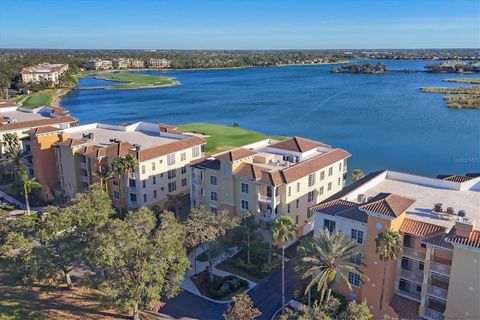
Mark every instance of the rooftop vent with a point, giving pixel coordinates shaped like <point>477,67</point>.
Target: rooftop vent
<point>361,198</point>
<point>462,213</point>
<point>450,210</point>
<point>137,147</point>
<point>438,207</point>
<point>90,136</point>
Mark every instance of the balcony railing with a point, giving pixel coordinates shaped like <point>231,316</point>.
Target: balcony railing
<point>433,314</point>
<point>412,276</point>
<point>84,179</point>
<point>83,165</point>
<point>263,198</point>
<point>440,268</point>
<point>437,292</point>
<point>409,295</point>
<point>413,253</point>
<point>196,180</point>
<point>267,216</point>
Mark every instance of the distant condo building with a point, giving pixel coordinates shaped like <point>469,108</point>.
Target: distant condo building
<point>43,72</point>
<point>120,63</point>
<point>137,63</point>
<point>270,178</point>
<point>68,161</point>
<point>98,64</point>
<point>437,275</point>
<point>158,63</point>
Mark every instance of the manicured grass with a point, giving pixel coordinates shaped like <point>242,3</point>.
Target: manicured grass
<point>136,80</point>
<point>222,137</point>
<point>42,98</point>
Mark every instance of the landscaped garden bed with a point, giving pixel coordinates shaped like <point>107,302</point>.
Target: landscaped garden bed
<point>222,288</point>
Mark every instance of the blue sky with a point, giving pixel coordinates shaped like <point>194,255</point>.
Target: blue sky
<point>240,24</point>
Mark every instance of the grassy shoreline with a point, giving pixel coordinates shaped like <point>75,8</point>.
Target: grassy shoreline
<point>459,97</point>
<point>221,137</point>
<point>136,81</point>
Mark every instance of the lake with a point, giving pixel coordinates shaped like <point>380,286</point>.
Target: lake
<point>382,119</point>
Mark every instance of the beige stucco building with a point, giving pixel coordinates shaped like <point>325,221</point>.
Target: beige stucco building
<point>270,178</point>
<point>43,72</point>
<point>438,274</point>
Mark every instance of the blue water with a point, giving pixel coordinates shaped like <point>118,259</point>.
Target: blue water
<point>383,120</point>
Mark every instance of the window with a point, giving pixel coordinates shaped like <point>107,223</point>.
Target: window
<point>172,186</point>
<point>340,167</point>
<point>356,259</point>
<point>322,175</point>
<point>357,235</point>
<point>354,279</point>
<point>183,156</point>
<point>244,188</point>
<point>116,195</point>
<point>214,210</point>
<point>213,180</point>
<point>298,186</point>
<point>288,208</point>
<point>310,196</point>
<point>423,245</point>
<point>184,182</point>
<point>339,181</point>
<point>154,180</point>
<point>184,170</point>
<point>297,203</point>
<point>311,179</point>
<point>244,205</point>
<point>131,183</point>
<point>143,168</point>
<point>153,166</point>
<point>289,191</point>
<point>145,198</point>
<point>407,241</point>
<point>133,197</point>
<point>421,266</point>
<point>195,151</point>
<point>320,191</point>
<point>171,174</point>
<point>154,193</point>
<point>329,187</point>
<point>296,219</point>
<point>144,184</point>
<point>329,225</point>
<point>330,171</point>
<point>213,196</point>
<point>171,159</point>
<point>115,182</point>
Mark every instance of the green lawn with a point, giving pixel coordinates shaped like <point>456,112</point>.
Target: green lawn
<point>222,137</point>
<point>42,98</point>
<point>136,80</point>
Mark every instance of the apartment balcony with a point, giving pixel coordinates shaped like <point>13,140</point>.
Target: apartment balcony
<point>431,314</point>
<point>411,276</point>
<point>440,268</point>
<point>84,179</point>
<point>410,295</point>
<point>197,197</point>
<point>196,180</point>
<point>437,292</point>
<point>132,189</point>
<point>268,200</point>
<point>412,253</point>
<point>83,165</point>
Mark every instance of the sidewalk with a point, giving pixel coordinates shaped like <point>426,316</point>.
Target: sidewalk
<point>188,284</point>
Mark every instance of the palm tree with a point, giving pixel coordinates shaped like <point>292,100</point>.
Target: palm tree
<point>10,139</point>
<point>104,174</point>
<point>28,186</point>
<point>119,167</point>
<point>357,174</point>
<point>248,225</point>
<point>14,156</point>
<point>323,257</point>
<point>389,246</point>
<point>283,229</point>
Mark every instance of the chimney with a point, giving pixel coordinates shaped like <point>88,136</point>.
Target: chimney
<point>463,229</point>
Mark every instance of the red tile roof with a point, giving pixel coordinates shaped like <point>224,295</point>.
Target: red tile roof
<point>343,208</point>
<point>7,103</point>
<point>388,204</point>
<point>168,148</point>
<point>36,123</point>
<point>405,308</point>
<point>298,144</point>
<point>420,228</point>
<point>471,241</point>
<point>42,130</point>
<point>235,154</point>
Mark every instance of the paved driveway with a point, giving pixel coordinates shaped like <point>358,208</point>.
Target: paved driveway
<point>267,296</point>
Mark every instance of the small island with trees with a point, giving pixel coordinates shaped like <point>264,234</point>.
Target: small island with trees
<point>380,67</point>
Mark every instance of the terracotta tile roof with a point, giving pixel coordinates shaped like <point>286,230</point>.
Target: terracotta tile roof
<point>70,142</point>
<point>455,178</point>
<point>257,173</point>
<point>472,241</point>
<point>343,208</point>
<point>272,178</point>
<point>7,103</point>
<point>168,148</point>
<point>314,164</point>
<point>235,154</point>
<point>405,308</point>
<point>36,123</point>
<point>440,240</point>
<point>298,144</point>
<point>41,130</point>
<point>388,204</point>
<point>420,228</point>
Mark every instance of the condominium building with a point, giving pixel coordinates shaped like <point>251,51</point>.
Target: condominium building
<point>17,120</point>
<point>80,153</point>
<point>270,178</point>
<point>158,63</point>
<point>120,63</point>
<point>43,72</point>
<point>438,273</point>
<point>137,63</point>
<point>98,64</point>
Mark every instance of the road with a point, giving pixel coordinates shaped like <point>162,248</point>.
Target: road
<point>267,296</point>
